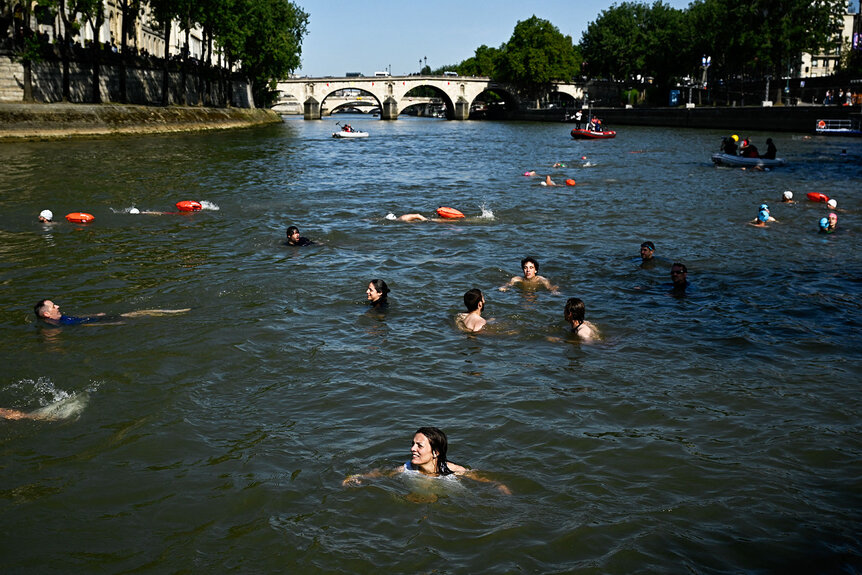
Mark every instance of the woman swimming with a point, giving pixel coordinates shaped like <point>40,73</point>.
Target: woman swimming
<point>377,293</point>
<point>427,457</point>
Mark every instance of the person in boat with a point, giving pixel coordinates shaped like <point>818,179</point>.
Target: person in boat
<point>574,313</point>
<point>578,117</point>
<point>771,150</point>
<point>530,277</point>
<point>748,150</point>
<point>49,312</point>
<point>472,321</point>
<point>787,197</point>
<point>428,456</point>
<point>728,145</point>
<point>347,128</point>
<point>377,294</point>
<point>294,239</point>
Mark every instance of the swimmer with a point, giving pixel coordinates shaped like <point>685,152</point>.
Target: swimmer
<point>472,321</point>
<point>427,457</point>
<point>15,414</point>
<point>762,217</point>
<point>46,217</point>
<point>530,173</point>
<point>679,278</point>
<point>829,223</point>
<point>574,314</point>
<point>531,277</point>
<point>560,165</point>
<point>548,181</point>
<point>787,197</point>
<point>377,294</point>
<point>832,203</point>
<point>294,239</point>
<point>49,312</point>
<point>647,251</point>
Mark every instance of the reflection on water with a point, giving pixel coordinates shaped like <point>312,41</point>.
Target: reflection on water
<point>716,430</point>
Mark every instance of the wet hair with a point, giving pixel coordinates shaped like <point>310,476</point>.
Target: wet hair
<point>40,305</point>
<point>292,229</point>
<point>382,288</point>
<point>681,266</point>
<point>472,299</point>
<point>530,260</point>
<point>575,310</point>
<point>439,444</point>
<point>649,245</point>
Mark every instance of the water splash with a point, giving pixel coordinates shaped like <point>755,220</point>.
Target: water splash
<point>205,205</point>
<point>487,214</point>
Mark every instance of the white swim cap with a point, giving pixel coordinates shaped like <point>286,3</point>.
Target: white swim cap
<point>47,214</point>
<point>391,216</point>
<point>788,195</point>
<point>134,211</point>
<point>832,204</point>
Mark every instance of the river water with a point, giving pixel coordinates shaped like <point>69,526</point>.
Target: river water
<point>713,433</point>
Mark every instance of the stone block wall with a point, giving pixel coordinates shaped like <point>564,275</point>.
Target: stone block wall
<point>143,85</point>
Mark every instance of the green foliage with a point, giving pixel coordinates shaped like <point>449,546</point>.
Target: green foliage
<point>536,55</point>
<point>482,63</point>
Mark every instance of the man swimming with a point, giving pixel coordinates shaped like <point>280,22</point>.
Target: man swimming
<point>49,312</point>
<point>530,277</point>
<point>574,313</point>
<point>294,239</point>
<point>472,321</point>
<point>679,278</point>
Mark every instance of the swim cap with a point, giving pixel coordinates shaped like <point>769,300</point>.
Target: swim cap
<point>824,223</point>
<point>47,214</point>
<point>764,207</point>
<point>735,138</point>
<point>833,214</point>
<point>134,211</point>
<point>763,216</point>
<point>788,195</point>
<point>391,216</point>
<point>832,204</point>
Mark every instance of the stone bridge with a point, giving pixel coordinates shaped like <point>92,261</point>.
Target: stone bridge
<point>457,93</point>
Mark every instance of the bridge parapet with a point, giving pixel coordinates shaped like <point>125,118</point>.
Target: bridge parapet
<point>458,93</point>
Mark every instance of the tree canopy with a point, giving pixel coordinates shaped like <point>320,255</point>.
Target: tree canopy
<point>536,55</point>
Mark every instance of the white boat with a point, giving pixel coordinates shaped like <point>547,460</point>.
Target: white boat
<point>742,162</point>
<point>354,134</point>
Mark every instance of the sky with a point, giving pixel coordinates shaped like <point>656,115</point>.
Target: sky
<point>371,35</point>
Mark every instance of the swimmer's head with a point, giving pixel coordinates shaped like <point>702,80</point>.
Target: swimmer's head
<point>134,211</point>
<point>788,195</point>
<point>763,208</point>
<point>530,260</point>
<point>763,216</point>
<point>833,219</point>
<point>46,216</point>
<point>391,216</point>
<point>472,299</point>
<point>377,291</point>
<point>824,223</point>
<point>735,138</point>
<point>832,204</point>
<point>574,310</point>
<point>438,443</point>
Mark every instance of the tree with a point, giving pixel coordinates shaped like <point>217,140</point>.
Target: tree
<point>482,63</point>
<point>536,55</point>
<point>94,13</point>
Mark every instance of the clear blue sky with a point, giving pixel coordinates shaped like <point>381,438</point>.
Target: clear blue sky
<point>367,36</point>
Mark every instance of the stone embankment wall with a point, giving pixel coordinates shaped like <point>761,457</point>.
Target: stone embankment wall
<point>143,83</point>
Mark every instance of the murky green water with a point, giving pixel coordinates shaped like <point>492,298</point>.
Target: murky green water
<point>715,433</point>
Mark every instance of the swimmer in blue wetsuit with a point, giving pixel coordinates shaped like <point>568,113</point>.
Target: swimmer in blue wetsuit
<point>428,457</point>
<point>49,312</point>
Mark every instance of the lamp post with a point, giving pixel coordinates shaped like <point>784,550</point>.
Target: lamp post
<point>705,62</point>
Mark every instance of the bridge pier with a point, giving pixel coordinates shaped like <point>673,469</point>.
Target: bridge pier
<point>311,109</point>
<point>389,109</point>
<point>462,109</point>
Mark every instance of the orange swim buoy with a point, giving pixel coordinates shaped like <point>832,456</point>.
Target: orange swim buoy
<point>188,206</point>
<point>449,213</point>
<point>80,217</point>
<point>817,197</point>
<point>570,182</point>
<point>821,124</point>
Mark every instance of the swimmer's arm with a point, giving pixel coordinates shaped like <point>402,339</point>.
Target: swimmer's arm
<point>153,312</point>
<point>474,475</point>
<point>357,478</point>
<point>548,285</point>
<point>13,414</point>
<point>512,282</point>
